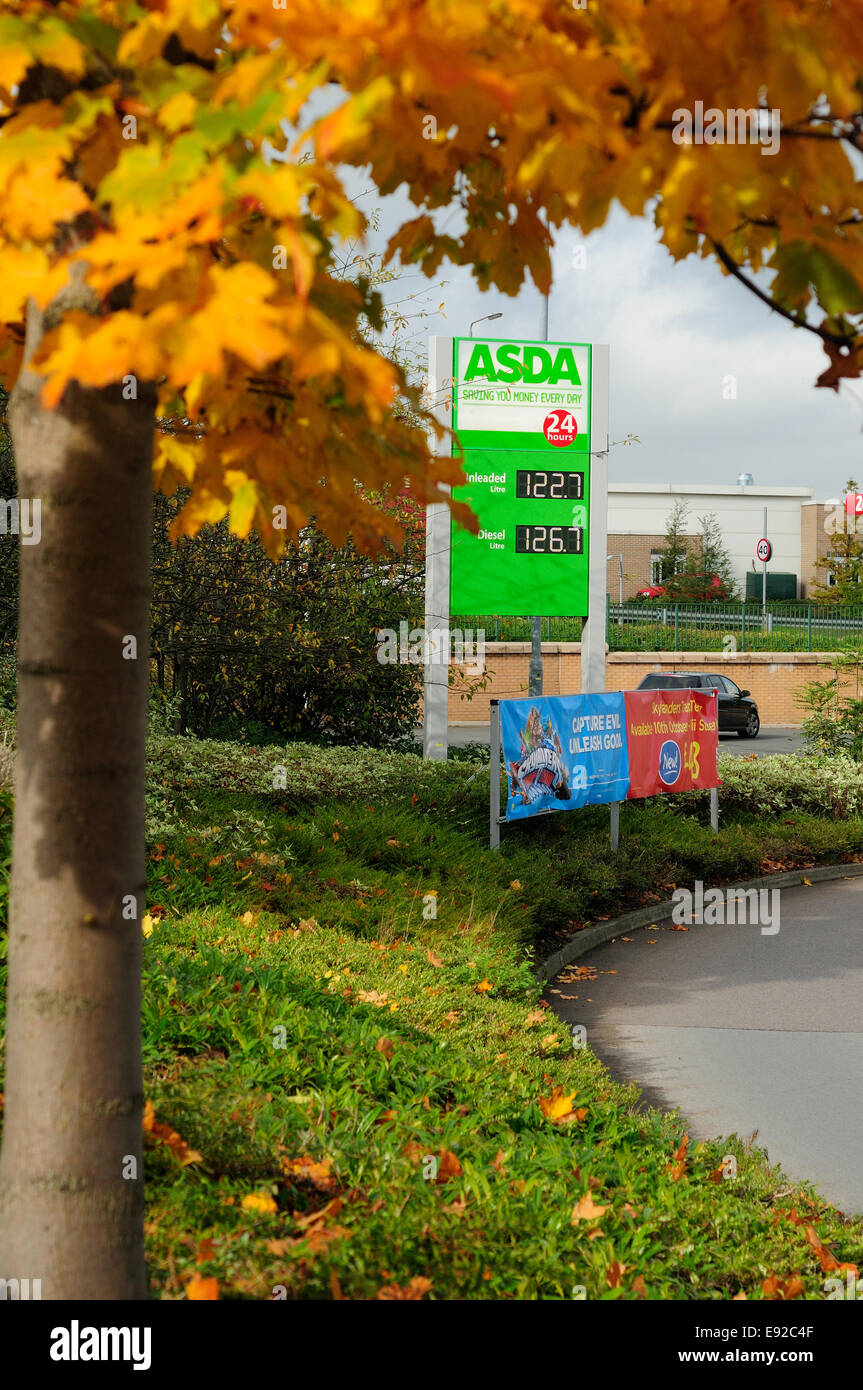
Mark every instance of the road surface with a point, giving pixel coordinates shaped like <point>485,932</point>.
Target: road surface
<point>744,1031</point>
<point>769,740</point>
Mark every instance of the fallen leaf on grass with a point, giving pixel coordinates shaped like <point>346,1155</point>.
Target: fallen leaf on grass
<point>614,1274</point>
<point>372,996</point>
<point>535,1016</point>
<point>308,1169</point>
<point>200,1290</point>
<point>586,1209</point>
<point>433,959</point>
<point>309,1218</point>
<point>550,1040</point>
<point>448,1167</point>
<point>483,987</point>
<point>828,1260</point>
<point>676,1169</point>
<point>774,1288</point>
<point>147,925</point>
<point>259,1201</point>
<point>558,1108</point>
<point>385,1045</point>
<point>416,1288</point>
<point>639,1286</point>
<point>159,1133</point>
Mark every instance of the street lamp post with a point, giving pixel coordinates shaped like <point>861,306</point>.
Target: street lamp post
<point>619,559</point>
<point>485,318</point>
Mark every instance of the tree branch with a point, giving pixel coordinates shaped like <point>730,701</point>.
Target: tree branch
<point>839,339</point>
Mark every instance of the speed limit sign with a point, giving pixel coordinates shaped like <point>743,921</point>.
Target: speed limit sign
<point>764,549</point>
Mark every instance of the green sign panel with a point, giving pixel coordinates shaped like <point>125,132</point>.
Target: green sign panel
<point>522,413</point>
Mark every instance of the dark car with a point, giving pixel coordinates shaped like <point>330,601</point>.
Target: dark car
<point>738,712</point>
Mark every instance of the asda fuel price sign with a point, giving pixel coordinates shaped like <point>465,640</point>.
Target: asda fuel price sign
<point>522,414</point>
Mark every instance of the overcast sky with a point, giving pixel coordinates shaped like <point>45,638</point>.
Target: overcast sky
<point>676,330</point>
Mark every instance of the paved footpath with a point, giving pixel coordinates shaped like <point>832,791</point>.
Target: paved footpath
<point>742,1031</point>
<point>774,739</point>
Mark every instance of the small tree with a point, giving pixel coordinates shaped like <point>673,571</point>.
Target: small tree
<point>675,552</point>
<point>708,574</point>
<point>845,564</point>
<point>833,720</point>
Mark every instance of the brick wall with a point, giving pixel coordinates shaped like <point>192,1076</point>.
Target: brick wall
<point>771,677</point>
<point>636,551</point>
<point>814,544</point>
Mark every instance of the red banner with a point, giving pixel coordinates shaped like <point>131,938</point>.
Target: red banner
<point>672,740</point>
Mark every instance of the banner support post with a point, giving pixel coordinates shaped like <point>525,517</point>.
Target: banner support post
<point>714,810</point>
<point>615,825</point>
<point>494,778</point>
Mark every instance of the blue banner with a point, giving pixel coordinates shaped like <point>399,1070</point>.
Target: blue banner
<point>563,752</point>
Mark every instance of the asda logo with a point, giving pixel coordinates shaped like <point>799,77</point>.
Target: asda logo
<point>528,362</point>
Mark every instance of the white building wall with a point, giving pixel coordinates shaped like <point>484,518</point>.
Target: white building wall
<point>644,508</point>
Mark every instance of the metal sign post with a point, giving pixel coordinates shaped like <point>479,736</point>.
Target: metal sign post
<point>593,635</point>
<point>764,570</point>
<point>436,645</point>
<point>494,778</point>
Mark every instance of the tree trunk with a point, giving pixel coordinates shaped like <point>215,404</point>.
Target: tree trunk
<point>71,1181</point>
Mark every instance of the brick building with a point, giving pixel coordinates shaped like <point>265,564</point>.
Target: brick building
<point>638,514</point>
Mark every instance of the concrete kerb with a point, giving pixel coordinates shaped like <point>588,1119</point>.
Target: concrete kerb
<point>601,932</point>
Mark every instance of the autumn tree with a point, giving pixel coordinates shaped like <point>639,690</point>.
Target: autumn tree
<point>170,213</point>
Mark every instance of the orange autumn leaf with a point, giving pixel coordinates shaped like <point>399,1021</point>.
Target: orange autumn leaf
<point>586,1209</point>
<point>386,1047</point>
<point>677,1168</point>
<point>775,1288</point>
<point>307,1169</point>
<point>448,1166</point>
<point>415,1289</point>
<point>200,1290</point>
<point>157,1132</point>
<point>639,1286</point>
<point>614,1274</point>
<point>433,958</point>
<point>483,987</point>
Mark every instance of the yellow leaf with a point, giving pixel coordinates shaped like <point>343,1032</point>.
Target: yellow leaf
<point>259,1201</point>
<point>15,59</point>
<point>242,512</point>
<point>178,112</point>
<point>147,929</point>
<point>557,1106</point>
<point>483,987</point>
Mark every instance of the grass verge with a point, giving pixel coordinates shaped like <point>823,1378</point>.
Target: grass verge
<point>354,1089</point>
